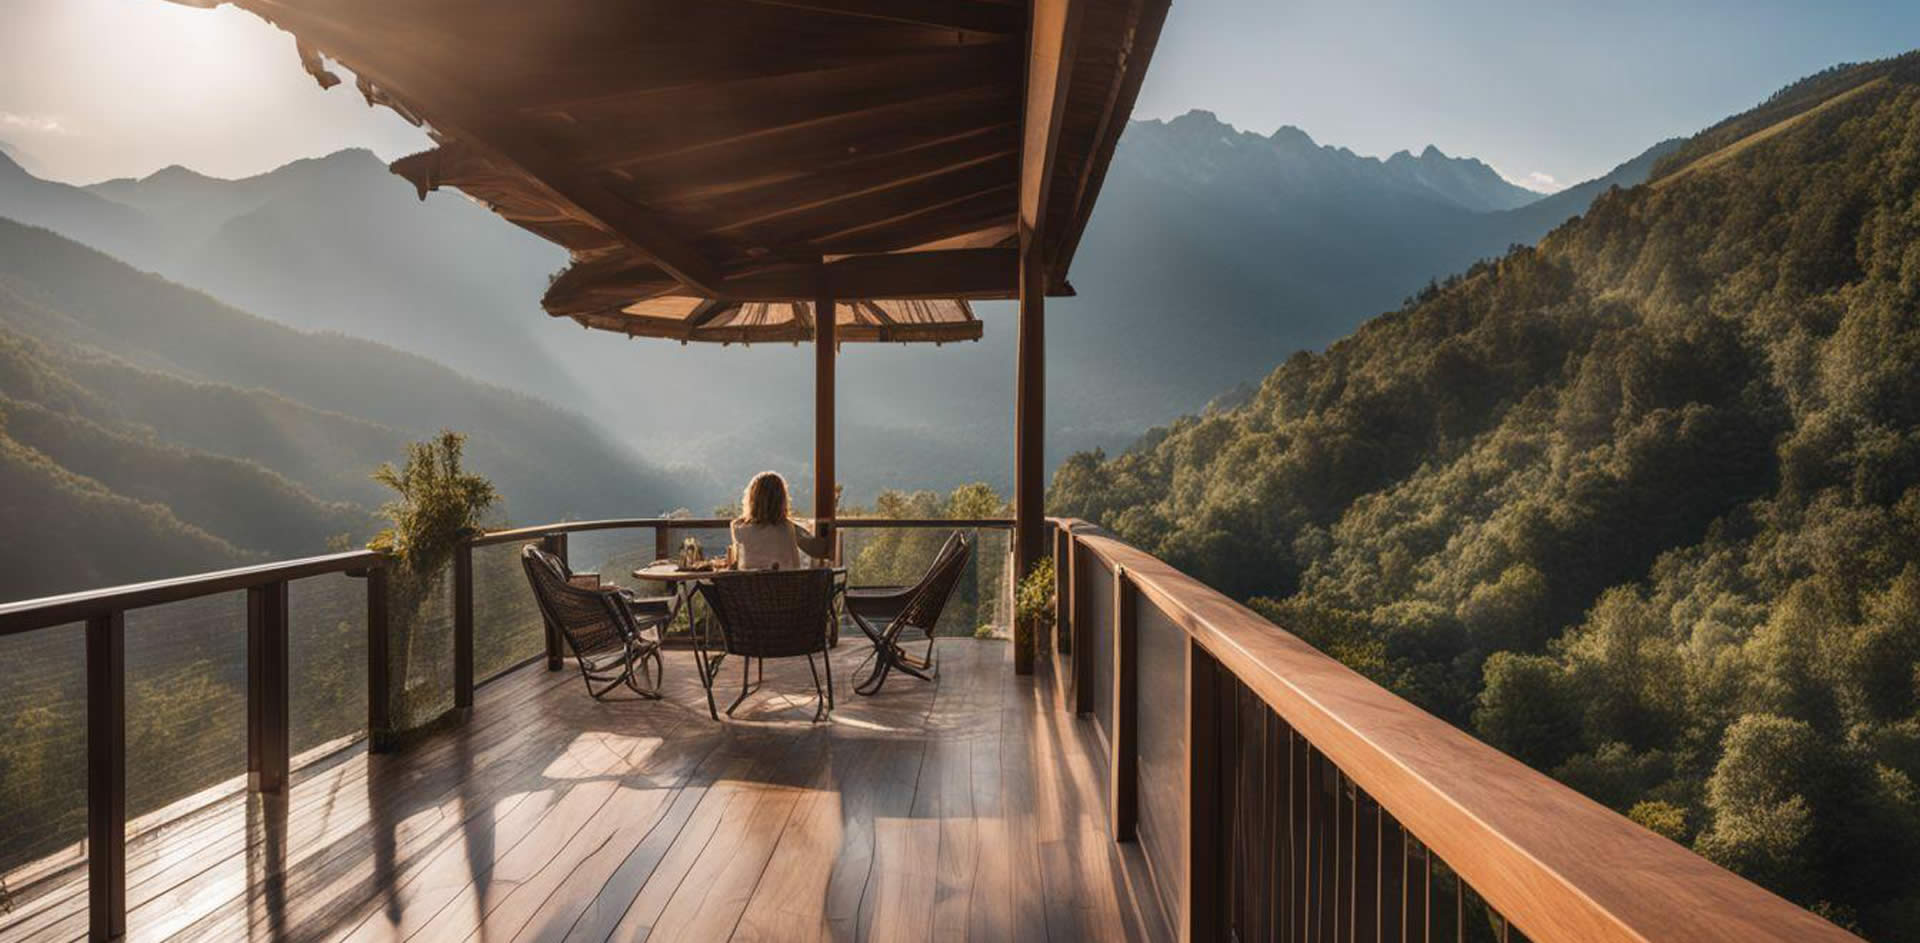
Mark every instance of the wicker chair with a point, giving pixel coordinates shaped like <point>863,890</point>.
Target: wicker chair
<point>898,608</point>
<point>614,635</point>
<point>769,614</point>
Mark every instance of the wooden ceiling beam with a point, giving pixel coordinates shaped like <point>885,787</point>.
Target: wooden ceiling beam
<point>815,186</point>
<point>652,127</point>
<point>963,15</point>
<point>876,209</point>
<point>985,210</point>
<point>772,156</point>
<point>454,111</point>
<point>951,273</point>
<point>1052,40</point>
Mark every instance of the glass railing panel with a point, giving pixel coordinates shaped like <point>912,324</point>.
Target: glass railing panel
<point>507,629</point>
<point>1161,741</point>
<point>186,666</point>
<point>327,661</point>
<point>900,556</point>
<point>43,766</point>
<point>420,613</point>
<point>1098,586</point>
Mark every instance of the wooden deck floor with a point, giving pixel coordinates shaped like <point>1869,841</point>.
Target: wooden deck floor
<point>969,809</point>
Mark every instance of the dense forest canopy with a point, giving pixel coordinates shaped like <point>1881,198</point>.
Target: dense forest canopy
<point>1640,506</point>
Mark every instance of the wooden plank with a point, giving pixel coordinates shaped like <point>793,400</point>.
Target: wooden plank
<point>458,113</point>
<point>1557,863</point>
<point>1052,40</point>
<point>26,615</point>
<point>944,273</point>
<point>962,15</point>
<point>463,626</point>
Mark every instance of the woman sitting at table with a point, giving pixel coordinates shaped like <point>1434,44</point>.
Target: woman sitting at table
<point>766,537</point>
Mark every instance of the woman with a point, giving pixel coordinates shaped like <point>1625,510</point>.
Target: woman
<point>766,537</point>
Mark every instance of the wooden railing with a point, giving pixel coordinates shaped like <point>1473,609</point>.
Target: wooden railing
<point>269,754</point>
<point>1292,798</point>
<point>268,729</point>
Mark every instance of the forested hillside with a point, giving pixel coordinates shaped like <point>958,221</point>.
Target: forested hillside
<point>1640,506</point>
<point>147,430</point>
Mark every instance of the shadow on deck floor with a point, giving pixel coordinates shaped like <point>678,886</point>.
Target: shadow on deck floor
<point>968,809</point>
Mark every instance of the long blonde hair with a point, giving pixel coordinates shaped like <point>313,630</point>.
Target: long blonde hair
<point>765,500</point>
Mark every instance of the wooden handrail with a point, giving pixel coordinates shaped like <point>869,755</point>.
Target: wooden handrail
<point>719,523</point>
<point>29,614</point>
<point>1559,865</point>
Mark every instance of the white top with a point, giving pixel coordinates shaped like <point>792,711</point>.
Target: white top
<point>769,546</point>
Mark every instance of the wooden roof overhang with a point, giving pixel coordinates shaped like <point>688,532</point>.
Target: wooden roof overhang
<point>731,153</point>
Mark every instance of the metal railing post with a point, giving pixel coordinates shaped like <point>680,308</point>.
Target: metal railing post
<point>463,626</point>
<point>379,670</point>
<point>107,775</point>
<point>268,711</point>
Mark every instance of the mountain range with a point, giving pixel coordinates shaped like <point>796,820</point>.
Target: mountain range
<point>148,430</point>
<point>1638,505</point>
<point>1215,254</point>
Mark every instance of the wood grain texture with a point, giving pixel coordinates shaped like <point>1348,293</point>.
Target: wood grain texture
<point>945,811</point>
<point>1559,865</point>
<point>675,146</point>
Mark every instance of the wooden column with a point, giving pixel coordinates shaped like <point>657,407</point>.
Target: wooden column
<point>269,745</point>
<point>825,336</point>
<point>107,776</point>
<point>1029,419</point>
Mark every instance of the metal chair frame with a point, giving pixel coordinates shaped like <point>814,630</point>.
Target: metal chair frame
<point>605,628</point>
<point>769,614</point>
<point>918,606</point>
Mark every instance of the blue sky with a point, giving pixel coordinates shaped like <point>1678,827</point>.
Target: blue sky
<point>91,89</point>
<point>1561,89</point>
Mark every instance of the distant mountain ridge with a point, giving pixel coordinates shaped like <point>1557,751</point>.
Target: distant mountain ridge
<point>1215,252</point>
<point>1201,147</point>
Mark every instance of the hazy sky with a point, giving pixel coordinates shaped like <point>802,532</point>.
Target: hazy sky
<point>1549,93</point>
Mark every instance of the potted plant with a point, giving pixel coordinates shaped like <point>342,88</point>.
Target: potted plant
<point>437,505</point>
<point>1033,607</point>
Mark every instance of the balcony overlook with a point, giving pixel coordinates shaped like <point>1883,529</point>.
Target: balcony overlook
<point>966,809</point>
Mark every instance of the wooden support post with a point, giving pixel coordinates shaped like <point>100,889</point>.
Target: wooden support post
<point>379,671</point>
<point>107,776</point>
<point>1200,879</point>
<point>825,337</point>
<point>1029,421</point>
<point>556,544</point>
<point>1123,779</point>
<point>463,627</point>
<point>268,669</point>
<point>662,535</point>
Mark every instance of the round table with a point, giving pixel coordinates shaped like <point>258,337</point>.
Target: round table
<point>684,581</point>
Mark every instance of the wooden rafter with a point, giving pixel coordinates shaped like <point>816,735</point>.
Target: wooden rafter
<point>963,15</point>
<point>1054,34</point>
<point>456,112</point>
